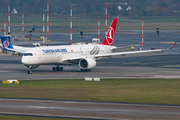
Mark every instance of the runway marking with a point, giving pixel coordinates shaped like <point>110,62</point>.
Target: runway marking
<point>105,73</point>
<point>61,73</point>
<point>4,71</point>
<point>175,66</point>
<point>167,42</point>
<point>100,62</point>
<point>135,62</point>
<point>12,67</point>
<point>121,111</point>
<point>170,71</point>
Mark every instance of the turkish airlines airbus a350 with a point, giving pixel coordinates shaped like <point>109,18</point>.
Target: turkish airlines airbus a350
<point>84,55</point>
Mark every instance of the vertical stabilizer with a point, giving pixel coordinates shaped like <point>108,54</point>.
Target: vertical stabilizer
<point>5,42</point>
<point>108,40</point>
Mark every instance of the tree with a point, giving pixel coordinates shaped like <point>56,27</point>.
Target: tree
<point>164,11</point>
<point>164,4</point>
<point>89,9</point>
<point>97,8</point>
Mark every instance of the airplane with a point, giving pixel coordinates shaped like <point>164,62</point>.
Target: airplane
<point>85,55</point>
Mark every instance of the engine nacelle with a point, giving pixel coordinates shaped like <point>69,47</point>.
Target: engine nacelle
<point>87,63</point>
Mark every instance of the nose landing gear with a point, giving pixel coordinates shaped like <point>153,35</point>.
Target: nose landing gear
<point>29,70</point>
<point>57,68</point>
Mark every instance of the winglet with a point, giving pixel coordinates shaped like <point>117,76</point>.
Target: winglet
<point>173,45</point>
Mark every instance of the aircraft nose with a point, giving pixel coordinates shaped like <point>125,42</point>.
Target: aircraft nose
<point>24,60</point>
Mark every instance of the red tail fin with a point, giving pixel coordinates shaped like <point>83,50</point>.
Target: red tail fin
<point>108,40</point>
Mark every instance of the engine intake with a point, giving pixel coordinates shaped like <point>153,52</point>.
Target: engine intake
<point>87,63</point>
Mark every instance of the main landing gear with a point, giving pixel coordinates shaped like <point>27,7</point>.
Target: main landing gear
<point>85,70</point>
<point>57,68</point>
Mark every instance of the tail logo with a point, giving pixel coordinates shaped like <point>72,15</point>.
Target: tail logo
<point>6,44</point>
<point>110,36</point>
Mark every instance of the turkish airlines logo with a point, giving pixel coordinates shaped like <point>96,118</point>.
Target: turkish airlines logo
<point>110,36</point>
<point>6,44</point>
<point>95,50</point>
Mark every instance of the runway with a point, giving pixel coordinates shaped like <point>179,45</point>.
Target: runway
<point>154,65</point>
<point>87,110</point>
<point>147,65</point>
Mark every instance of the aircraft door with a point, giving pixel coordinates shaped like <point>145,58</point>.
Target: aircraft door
<point>39,54</point>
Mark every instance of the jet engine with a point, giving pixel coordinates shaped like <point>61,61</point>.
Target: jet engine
<point>87,63</point>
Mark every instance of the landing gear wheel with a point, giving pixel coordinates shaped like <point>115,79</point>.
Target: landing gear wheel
<point>54,68</point>
<point>57,68</point>
<point>85,70</point>
<point>29,71</point>
<point>61,68</point>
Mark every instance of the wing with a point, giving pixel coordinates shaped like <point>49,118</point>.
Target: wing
<point>131,52</point>
<point>113,54</point>
<point>123,47</point>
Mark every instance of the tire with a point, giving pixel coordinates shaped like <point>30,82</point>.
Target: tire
<point>57,68</point>
<point>61,68</point>
<point>29,72</point>
<point>54,68</point>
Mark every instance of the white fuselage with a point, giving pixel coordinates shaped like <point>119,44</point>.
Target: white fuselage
<point>58,55</point>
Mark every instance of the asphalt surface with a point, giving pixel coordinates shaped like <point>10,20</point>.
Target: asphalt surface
<point>88,110</point>
<point>154,65</point>
<point>147,65</point>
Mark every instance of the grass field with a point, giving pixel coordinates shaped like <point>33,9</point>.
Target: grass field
<point>170,24</point>
<point>11,117</point>
<point>153,91</point>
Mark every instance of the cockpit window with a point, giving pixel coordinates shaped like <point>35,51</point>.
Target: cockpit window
<point>27,54</point>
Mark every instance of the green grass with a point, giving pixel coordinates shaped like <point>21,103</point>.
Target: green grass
<point>169,24</point>
<point>153,91</point>
<point>11,117</point>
